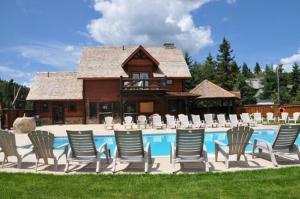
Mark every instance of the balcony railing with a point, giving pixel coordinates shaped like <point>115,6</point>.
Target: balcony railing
<point>150,84</point>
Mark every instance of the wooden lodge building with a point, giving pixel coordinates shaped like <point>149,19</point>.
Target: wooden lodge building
<point>113,81</point>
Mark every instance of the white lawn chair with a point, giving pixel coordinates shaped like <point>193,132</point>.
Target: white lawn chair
<point>82,149</point>
<point>171,122</point>
<point>222,121</point>
<point>184,121</point>
<point>270,117</point>
<point>197,123</point>
<point>257,118</point>
<point>142,121</point>
<point>209,121</point>
<point>108,122</point>
<point>234,122</point>
<point>9,148</point>
<point>189,148</point>
<point>295,118</point>
<point>130,149</point>
<point>128,122</point>
<point>247,120</point>
<point>284,143</point>
<point>284,117</point>
<point>156,122</point>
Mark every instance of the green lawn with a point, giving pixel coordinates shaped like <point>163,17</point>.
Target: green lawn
<point>276,183</point>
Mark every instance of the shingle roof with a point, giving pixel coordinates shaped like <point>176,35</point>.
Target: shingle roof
<point>56,86</point>
<point>209,90</point>
<point>106,62</point>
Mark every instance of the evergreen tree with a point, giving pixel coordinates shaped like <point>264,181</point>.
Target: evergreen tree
<point>257,69</point>
<point>190,83</point>
<point>270,83</point>
<point>224,63</point>
<point>235,69</point>
<point>295,80</point>
<point>247,92</point>
<point>209,69</point>
<point>188,60</point>
<point>246,71</point>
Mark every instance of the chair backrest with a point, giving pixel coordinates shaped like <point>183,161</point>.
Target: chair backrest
<point>196,119</point>
<point>208,118</point>
<point>184,120</point>
<point>238,138</point>
<point>189,143</point>
<point>82,143</point>
<point>245,117</point>
<point>156,120</point>
<point>284,115</point>
<point>128,120</point>
<point>130,143</point>
<point>296,115</point>
<point>221,118</point>
<point>233,118</point>
<point>108,120</point>
<point>42,142</point>
<point>270,116</point>
<point>170,120</point>
<point>257,116</point>
<point>141,119</point>
<point>8,143</point>
<point>286,137</point>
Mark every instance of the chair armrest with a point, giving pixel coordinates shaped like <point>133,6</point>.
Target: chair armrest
<point>26,146</point>
<point>103,148</point>
<point>173,154</point>
<point>148,149</point>
<point>262,143</point>
<point>220,143</point>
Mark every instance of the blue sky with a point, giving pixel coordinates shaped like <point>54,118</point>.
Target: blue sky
<point>40,35</point>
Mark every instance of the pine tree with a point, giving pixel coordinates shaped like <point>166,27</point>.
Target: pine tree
<point>257,69</point>
<point>270,83</point>
<point>209,68</point>
<point>295,80</point>
<point>224,62</point>
<point>188,60</point>
<point>247,92</point>
<point>189,84</point>
<point>246,71</point>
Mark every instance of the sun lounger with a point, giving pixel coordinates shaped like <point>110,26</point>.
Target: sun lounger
<point>189,148</point>
<point>295,118</point>
<point>284,117</point>
<point>284,143</point>
<point>142,121</point>
<point>157,122</point>
<point>128,122</point>
<point>130,149</point>
<point>222,121</point>
<point>9,148</point>
<point>238,139</point>
<point>171,122</point>
<point>257,118</point>
<point>209,122</point>
<point>42,142</point>
<point>247,120</point>
<point>270,117</point>
<point>234,122</point>
<point>184,121</point>
<point>197,123</point>
<point>108,121</point>
<point>82,149</point>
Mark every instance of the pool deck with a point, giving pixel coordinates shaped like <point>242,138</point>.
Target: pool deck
<point>160,165</point>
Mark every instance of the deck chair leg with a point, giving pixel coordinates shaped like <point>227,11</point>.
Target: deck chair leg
<point>67,166</point>
<point>273,158</point>
<point>55,164</point>
<point>19,163</point>
<point>5,158</point>
<point>173,166</point>
<point>146,166</point>
<point>36,164</point>
<point>227,161</point>
<point>206,166</point>
<point>114,165</point>
<point>238,157</point>
<point>98,165</point>
<point>45,160</point>
<point>216,152</point>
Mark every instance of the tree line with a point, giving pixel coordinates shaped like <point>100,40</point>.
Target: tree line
<point>224,71</point>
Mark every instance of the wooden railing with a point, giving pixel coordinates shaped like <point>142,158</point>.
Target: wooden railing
<point>150,84</point>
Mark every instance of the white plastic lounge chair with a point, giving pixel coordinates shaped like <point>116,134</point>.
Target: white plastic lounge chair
<point>128,122</point>
<point>295,118</point>
<point>222,121</point>
<point>197,123</point>
<point>238,139</point>
<point>284,117</point>
<point>142,121</point>
<point>270,117</point>
<point>209,121</point>
<point>130,149</point>
<point>9,148</point>
<point>247,120</point>
<point>156,122</point>
<point>171,122</point>
<point>82,149</point>
<point>284,143</point>
<point>189,148</point>
<point>184,121</point>
<point>234,120</point>
<point>108,121</point>
<point>257,118</point>
<point>42,142</point>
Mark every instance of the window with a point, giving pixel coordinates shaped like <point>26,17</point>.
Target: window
<point>141,75</point>
<point>93,109</point>
<point>169,81</point>
<point>130,107</point>
<point>105,107</point>
<point>146,107</point>
<point>72,107</point>
<point>44,107</point>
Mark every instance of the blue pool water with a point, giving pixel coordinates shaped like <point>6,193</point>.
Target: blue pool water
<point>160,143</point>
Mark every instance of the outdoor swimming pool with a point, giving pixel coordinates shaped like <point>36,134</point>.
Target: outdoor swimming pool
<point>160,143</point>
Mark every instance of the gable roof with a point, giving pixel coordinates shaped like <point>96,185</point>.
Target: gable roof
<point>56,86</point>
<point>106,62</point>
<point>209,90</point>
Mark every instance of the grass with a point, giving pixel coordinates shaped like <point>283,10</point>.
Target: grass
<point>275,183</point>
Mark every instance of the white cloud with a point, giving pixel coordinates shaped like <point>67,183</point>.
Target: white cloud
<point>22,77</point>
<point>289,61</point>
<point>231,1</point>
<point>149,22</point>
<point>55,54</point>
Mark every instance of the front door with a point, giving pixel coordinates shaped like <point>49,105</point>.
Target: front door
<point>58,114</point>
